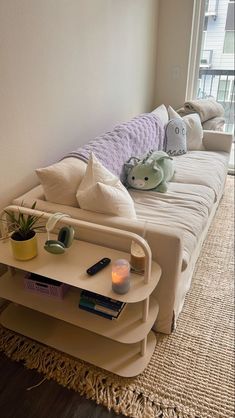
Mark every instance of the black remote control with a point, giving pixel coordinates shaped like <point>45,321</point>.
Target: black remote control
<point>98,266</point>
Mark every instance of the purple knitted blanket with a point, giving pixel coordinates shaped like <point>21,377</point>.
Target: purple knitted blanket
<point>129,139</point>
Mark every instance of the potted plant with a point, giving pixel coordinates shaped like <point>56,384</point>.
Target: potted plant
<point>22,232</point>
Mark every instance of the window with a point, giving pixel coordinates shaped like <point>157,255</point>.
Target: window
<point>215,60</point>
<point>230,17</point>
<point>229,42</point>
<point>203,60</point>
<point>229,30</point>
<point>225,91</point>
<point>232,92</point>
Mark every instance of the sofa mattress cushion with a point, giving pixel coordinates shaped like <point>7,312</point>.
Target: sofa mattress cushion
<point>205,168</point>
<point>183,207</point>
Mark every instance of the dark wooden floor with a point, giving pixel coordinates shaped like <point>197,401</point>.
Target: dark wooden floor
<point>49,400</point>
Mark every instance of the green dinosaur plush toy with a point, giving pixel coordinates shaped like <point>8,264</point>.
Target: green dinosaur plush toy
<point>153,172</point>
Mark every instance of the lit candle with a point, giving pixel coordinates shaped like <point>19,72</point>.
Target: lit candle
<point>121,276</point>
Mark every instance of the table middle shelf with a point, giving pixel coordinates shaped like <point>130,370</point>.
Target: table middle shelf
<point>128,328</point>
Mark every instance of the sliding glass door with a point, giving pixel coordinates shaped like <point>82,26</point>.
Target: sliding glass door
<point>216,68</point>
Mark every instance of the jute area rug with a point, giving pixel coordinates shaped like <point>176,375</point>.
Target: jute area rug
<point>191,372</point>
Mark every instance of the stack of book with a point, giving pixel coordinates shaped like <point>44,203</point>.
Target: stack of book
<point>100,305</point>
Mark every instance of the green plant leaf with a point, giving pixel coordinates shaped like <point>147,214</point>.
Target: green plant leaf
<point>22,223</point>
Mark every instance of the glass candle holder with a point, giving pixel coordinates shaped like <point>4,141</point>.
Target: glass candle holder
<point>137,257</point>
<point>121,276</point>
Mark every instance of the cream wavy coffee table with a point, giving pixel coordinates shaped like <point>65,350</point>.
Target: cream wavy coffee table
<point>122,346</point>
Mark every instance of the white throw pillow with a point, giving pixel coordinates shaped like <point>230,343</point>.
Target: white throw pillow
<point>194,130</point>
<point>161,112</point>
<point>61,180</point>
<point>172,113</point>
<point>101,191</point>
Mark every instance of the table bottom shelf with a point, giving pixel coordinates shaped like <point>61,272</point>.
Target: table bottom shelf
<point>122,359</point>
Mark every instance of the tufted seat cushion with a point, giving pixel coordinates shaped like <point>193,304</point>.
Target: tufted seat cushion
<point>206,168</point>
<point>184,207</point>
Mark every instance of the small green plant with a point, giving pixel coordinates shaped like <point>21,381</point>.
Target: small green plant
<point>23,227</point>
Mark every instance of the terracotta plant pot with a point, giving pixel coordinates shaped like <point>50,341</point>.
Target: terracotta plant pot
<point>24,250</point>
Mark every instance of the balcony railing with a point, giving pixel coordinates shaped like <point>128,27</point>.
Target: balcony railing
<point>212,8</point>
<point>219,84</point>
<point>206,58</point>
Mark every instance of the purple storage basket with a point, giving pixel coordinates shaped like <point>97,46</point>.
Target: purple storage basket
<point>45,286</point>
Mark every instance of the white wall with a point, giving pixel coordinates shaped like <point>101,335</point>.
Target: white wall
<point>70,70</point>
<point>174,34</point>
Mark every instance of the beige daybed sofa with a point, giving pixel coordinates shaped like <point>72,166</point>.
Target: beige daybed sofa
<point>177,221</point>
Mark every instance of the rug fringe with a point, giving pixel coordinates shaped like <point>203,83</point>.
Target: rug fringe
<point>92,383</point>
